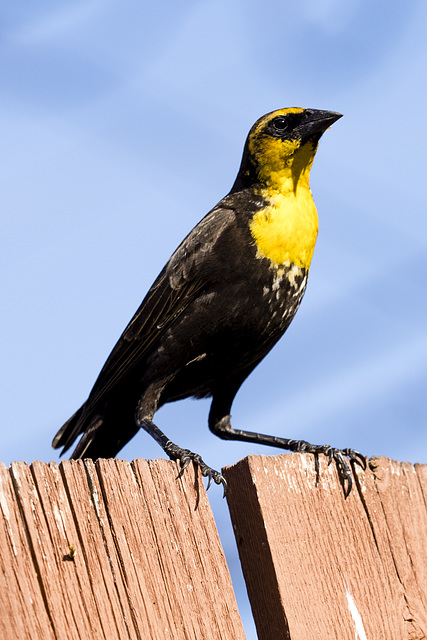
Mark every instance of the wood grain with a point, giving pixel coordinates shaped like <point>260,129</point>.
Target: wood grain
<point>111,550</point>
<point>332,568</point>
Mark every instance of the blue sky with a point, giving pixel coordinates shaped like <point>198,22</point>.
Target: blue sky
<point>124,123</point>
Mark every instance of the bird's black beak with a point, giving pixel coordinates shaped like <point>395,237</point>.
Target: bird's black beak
<point>316,122</point>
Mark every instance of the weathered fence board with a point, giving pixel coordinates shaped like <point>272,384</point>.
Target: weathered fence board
<point>129,550</point>
<point>320,567</point>
<point>111,550</point>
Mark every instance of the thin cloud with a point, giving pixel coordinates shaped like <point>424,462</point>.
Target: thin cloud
<point>381,374</point>
<point>53,25</point>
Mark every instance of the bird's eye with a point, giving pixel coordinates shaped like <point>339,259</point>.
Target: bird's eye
<point>280,124</point>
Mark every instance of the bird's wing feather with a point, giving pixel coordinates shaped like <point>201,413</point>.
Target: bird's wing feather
<point>180,282</point>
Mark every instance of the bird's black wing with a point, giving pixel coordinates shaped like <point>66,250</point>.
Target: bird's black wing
<point>181,281</point>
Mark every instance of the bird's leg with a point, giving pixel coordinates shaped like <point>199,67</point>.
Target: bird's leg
<point>184,456</point>
<point>221,427</point>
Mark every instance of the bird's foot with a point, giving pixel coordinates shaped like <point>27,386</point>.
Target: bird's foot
<point>185,456</point>
<point>342,457</point>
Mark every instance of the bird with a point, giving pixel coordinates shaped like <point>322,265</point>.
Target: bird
<point>222,301</point>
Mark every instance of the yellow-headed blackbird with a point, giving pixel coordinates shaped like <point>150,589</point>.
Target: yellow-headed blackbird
<point>222,301</point>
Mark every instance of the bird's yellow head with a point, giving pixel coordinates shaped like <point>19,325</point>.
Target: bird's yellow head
<point>276,163</point>
<point>281,146</point>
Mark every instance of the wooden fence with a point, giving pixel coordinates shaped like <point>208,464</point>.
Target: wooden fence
<point>120,550</point>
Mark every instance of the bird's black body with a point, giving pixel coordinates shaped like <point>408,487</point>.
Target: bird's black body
<point>213,313</point>
<point>192,336</point>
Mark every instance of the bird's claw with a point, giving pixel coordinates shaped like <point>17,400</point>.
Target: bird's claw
<point>344,470</point>
<point>211,474</point>
<point>329,452</point>
<point>342,459</point>
<point>185,456</point>
<point>217,477</point>
<point>356,458</point>
<point>184,462</point>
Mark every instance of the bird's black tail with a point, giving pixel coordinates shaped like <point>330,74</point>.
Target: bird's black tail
<point>68,432</point>
<point>103,435</point>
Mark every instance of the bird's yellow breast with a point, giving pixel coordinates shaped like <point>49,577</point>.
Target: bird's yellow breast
<point>285,231</point>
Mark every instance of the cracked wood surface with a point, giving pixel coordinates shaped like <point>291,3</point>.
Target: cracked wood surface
<point>111,550</point>
<point>318,567</point>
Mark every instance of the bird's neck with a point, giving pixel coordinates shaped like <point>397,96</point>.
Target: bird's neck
<point>285,229</point>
